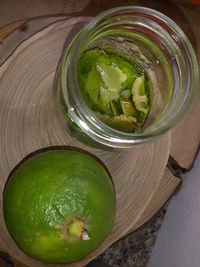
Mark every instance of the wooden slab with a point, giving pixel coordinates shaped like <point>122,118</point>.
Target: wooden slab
<point>30,120</point>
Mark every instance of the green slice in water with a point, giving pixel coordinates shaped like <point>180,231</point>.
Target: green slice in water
<point>114,88</point>
<point>140,98</point>
<point>127,107</point>
<point>121,122</point>
<point>112,78</point>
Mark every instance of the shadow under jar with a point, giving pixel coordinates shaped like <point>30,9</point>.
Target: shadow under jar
<point>156,46</point>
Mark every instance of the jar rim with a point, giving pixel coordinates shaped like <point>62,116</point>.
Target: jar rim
<point>98,130</point>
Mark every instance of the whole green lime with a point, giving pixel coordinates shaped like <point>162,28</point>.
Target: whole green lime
<point>59,205</point>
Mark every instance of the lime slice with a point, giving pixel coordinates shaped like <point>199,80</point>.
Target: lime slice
<point>127,107</point>
<point>139,96</point>
<point>121,122</point>
<point>112,78</point>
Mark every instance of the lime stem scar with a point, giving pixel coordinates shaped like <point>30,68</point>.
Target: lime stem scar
<point>76,228</point>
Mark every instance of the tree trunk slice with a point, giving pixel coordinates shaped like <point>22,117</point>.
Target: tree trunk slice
<point>30,120</point>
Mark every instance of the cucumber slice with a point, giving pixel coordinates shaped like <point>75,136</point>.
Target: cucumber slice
<point>127,107</point>
<point>139,96</point>
<point>121,122</point>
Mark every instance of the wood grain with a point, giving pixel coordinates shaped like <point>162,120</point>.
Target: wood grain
<point>167,186</point>
<point>186,134</point>
<point>22,9</point>
<point>30,120</point>
<point>9,28</point>
<point>13,34</point>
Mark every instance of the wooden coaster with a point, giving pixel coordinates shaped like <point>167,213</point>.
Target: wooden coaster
<point>30,120</point>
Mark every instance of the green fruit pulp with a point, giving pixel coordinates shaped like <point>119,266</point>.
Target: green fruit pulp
<point>104,77</point>
<point>46,193</point>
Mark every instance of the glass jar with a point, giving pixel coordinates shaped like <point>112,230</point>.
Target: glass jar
<point>157,44</point>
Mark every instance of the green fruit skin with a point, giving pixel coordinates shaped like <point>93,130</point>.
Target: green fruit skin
<point>45,192</point>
